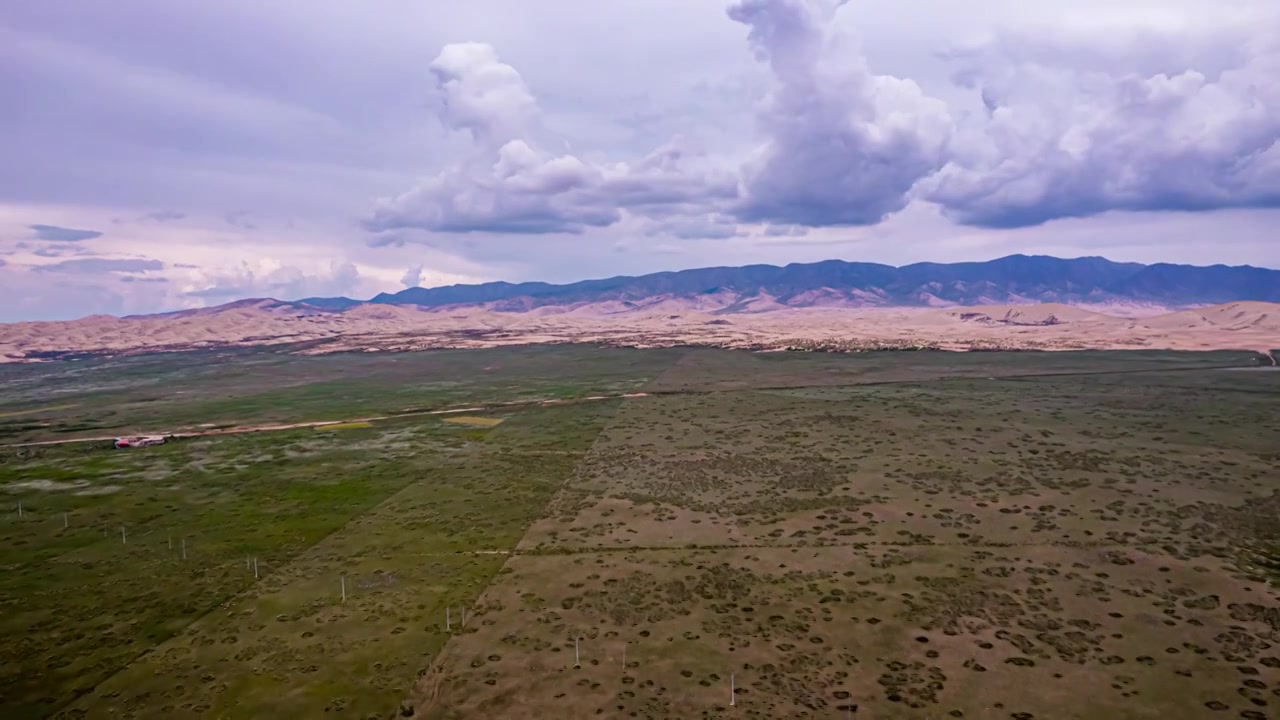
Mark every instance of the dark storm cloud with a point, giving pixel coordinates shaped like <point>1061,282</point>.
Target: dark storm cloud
<point>53,233</point>
<point>98,266</point>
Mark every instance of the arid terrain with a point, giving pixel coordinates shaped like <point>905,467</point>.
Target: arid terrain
<point>759,325</point>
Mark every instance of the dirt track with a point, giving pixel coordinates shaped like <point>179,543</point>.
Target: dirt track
<point>323,423</point>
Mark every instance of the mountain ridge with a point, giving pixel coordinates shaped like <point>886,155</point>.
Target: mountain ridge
<point>760,324</point>
<point>1016,279</point>
<point>1017,302</point>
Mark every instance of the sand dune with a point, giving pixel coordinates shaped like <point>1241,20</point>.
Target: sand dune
<point>1231,316</point>
<point>1043,314</point>
<point>758,322</point>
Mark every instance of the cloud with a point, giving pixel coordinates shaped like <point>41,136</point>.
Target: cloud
<point>842,146</point>
<point>240,219</point>
<point>60,250</point>
<point>98,266</point>
<point>412,277</point>
<point>786,231</point>
<point>301,112</point>
<point>1064,139</point>
<point>689,227</point>
<point>162,216</point>
<point>32,296</point>
<point>53,233</point>
<point>509,184</point>
<point>480,94</point>
<point>839,146</point>
<point>523,191</point>
<point>285,282</point>
<point>142,279</point>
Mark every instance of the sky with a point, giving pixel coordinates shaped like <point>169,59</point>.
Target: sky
<point>157,155</point>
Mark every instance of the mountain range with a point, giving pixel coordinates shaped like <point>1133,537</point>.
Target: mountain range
<point>1016,302</point>
<point>1016,279</point>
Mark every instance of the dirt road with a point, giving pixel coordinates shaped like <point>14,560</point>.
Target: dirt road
<point>240,429</point>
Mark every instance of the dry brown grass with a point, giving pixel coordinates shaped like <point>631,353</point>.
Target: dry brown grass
<point>974,548</point>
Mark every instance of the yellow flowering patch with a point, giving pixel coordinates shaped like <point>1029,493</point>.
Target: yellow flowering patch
<point>474,421</point>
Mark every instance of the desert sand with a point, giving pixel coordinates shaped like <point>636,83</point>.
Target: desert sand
<point>762,325</point>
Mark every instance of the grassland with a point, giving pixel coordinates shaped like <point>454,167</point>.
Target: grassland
<point>218,389</point>
<point>1054,546</point>
<point>886,535</point>
<point>129,587</point>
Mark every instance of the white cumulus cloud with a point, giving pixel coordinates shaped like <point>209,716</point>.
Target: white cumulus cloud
<point>1067,138</point>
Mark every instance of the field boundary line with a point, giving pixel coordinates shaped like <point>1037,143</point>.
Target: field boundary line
<point>434,674</point>
<point>223,601</point>
<point>616,550</point>
<point>613,550</point>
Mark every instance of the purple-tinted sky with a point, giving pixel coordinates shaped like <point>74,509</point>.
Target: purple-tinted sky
<point>159,155</point>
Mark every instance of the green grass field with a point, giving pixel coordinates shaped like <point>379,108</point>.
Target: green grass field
<point>199,390</point>
<point>1051,535</point>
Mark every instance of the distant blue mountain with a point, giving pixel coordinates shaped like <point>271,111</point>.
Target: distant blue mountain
<point>1012,279</point>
